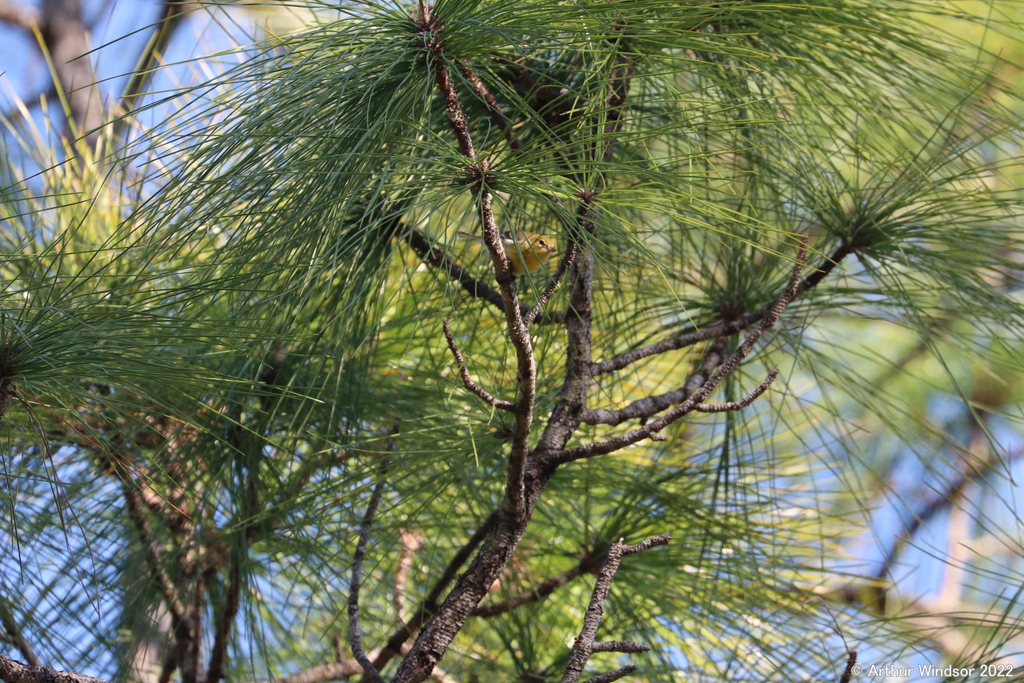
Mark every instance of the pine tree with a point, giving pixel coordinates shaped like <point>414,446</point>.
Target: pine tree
<point>267,415</point>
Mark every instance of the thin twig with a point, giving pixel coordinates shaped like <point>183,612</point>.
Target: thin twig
<point>584,645</point>
<point>466,379</point>
<point>498,116</point>
<point>627,646</point>
<point>743,402</point>
<point>567,260</point>
<point>611,676</point>
<point>355,637</point>
<point>544,589</point>
<point>493,108</point>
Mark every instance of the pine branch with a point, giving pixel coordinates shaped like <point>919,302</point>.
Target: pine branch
<point>726,368</point>
<point>332,671</point>
<point>513,515</point>
<point>572,401</point>
<point>492,106</point>
<point>743,402</point>
<point>627,646</point>
<point>584,645</point>
<point>519,335</point>
<point>215,671</point>
<point>494,110</point>
<point>169,666</point>
<point>652,405</point>
<point>153,556</point>
<point>439,259</point>
<point>190,633</point>
<point>170,21</point>
<point>527,477</point>
<point>526,365</point>
<point>67,41</point>
<point>851,660</point>
<point>565,416</point>
<point>16,672</point>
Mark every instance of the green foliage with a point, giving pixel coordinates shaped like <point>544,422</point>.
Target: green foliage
<point>228,325</point>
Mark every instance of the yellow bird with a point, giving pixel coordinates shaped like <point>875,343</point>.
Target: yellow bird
<point>532,253</point>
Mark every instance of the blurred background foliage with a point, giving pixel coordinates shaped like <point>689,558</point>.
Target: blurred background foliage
<point>210,320</point>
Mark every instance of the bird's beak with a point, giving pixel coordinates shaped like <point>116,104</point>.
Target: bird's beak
<point>552,249</point>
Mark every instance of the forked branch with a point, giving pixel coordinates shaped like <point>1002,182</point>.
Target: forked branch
<point>652,405</point>
<point>585,645</point>
<point>725,369</point>
<point>513,515</point>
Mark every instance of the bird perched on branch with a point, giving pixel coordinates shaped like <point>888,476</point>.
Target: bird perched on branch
<point>527,251</point>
